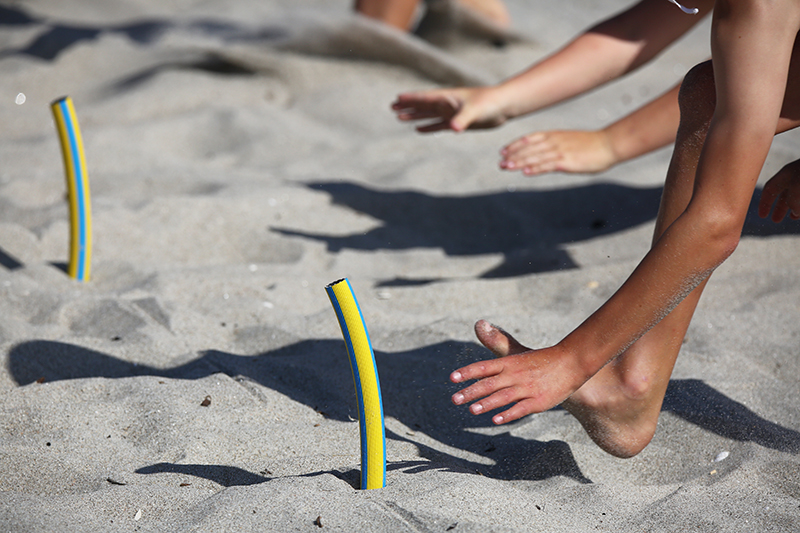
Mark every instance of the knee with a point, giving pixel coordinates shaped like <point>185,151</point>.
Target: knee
<point>697,98</point>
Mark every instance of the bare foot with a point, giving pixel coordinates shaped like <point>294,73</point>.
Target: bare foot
<point>617,407</point>
<point>574,151</point>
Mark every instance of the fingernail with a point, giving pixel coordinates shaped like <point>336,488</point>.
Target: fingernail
<point>498,419</point>
<point>455,376</point>
<point>458,398</point>
<point>476,409</point>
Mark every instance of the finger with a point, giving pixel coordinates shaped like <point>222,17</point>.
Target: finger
<point>518,144</point>
<point>500,342</point>
<point>538,163</point>
<point>434,126</point>
<point>479,370</point>
<point>543,159</point>
<point>432,106</point>
<point>464,117</point>
<point>495,400</point>
<point>533,154</point>
<point>781,208</point>
<point>416,97</point>
<point>533,143</point>
<point>516,160</point>
<point>480,389</point>
<point>419,115</point>
<point>793,203</point>
<point>515,412</point>
<point>543,168</point>
<point>768,196</point>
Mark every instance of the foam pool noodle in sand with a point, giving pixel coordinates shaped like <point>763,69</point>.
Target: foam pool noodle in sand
<point>368,388</point>
<point>80,254</point>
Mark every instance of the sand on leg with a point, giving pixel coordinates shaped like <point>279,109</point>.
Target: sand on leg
<point>619,406</point>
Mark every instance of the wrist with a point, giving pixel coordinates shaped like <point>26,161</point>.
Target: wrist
<point>512,100</point>
<point>617,143</point>
<point>586,357</point>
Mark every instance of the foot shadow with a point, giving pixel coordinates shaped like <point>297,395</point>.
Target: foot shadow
<point>316,373</point>
<point>415,392</point>
<point>8,261</point>
<point>702,405</point>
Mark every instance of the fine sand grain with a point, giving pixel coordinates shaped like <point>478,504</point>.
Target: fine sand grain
<point>242,155</point>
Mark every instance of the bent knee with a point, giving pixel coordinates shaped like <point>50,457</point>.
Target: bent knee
<point>698,97</point>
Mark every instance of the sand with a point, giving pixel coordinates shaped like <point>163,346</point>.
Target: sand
<point>242,155</point>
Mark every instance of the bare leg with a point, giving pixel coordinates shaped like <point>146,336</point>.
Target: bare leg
<point>619,406</point>
<point>400,13</point>
<point>397,13</point>
<point>493,10</point>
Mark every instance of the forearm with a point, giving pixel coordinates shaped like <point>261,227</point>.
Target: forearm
<point>587,62</point>
<point>752,44</point>
<point>678,263</point>
<point>648,128</point>
<point>601,54</point>
<point>705,233</point>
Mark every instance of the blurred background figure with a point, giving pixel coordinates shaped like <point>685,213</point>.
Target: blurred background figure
<point>489,17</point>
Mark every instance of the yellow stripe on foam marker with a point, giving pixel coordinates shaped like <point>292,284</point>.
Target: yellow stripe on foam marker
<point>368,388</point>
<point>69,133</point>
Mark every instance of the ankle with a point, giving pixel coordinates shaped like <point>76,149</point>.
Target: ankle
<point>636,386</point>
<point>618,411</point>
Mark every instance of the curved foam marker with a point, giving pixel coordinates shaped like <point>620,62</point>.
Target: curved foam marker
<point>368,387</point>
<point>80,249</point>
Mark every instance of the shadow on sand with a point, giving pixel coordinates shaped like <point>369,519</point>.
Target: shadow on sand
<point>529,228</point>
<point>415,392</point>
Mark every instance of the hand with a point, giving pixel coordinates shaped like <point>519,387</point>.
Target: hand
<point>536,380</point>
<point>454,109</point>
<point>785,187</point>
<point>573,151</point>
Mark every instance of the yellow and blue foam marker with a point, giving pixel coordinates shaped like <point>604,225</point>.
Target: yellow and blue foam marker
<point>80,211</point>
<point>368,387</point>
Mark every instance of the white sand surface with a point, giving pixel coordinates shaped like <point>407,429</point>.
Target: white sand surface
<point>242,155</point>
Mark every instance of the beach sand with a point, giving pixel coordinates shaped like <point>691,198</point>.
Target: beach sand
<point>242,155</point>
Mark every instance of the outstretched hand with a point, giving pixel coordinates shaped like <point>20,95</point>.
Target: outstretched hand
<point>453,109</point>
<point>536,380</point>
<point>785,188</point>
<point>573,151</point>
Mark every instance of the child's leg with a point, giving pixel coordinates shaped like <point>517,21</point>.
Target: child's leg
<point>619,406</point>
<point>492,10</point>
<point>397,13</point>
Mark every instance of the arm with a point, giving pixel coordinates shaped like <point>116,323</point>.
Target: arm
<point>603,53</point>
<point>751,45</point>
<point>650,127</point>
